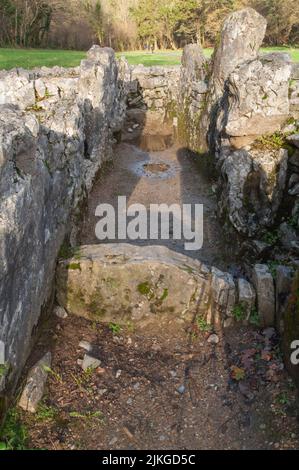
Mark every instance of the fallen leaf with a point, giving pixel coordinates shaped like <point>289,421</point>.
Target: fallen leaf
<point>266,355</point>
<point>237,373</point>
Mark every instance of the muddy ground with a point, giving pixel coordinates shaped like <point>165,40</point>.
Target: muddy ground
<point>172,176</point>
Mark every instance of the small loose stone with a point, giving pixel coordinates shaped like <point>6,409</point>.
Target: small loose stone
<point>213,339</point>
<point>60,312</point>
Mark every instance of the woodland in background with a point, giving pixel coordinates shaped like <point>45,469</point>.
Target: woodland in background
<point>135,24</point>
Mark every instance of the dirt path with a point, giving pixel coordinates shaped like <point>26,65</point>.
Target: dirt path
<point>148,394</point>
<point>181,182</point>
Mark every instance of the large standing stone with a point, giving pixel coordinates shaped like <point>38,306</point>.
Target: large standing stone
<point>241,37</point>
<point>194,63</point>
<point>192,96</point>
<point>34,388</point>
<point>264,286</point>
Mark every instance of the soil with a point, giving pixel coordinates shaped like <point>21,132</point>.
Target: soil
<point>147,394</point>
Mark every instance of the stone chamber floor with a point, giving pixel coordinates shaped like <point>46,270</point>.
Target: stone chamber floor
<point>162,390</point>
<point>171,176</point>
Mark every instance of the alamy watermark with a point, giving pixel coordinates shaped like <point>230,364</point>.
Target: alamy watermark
<point>295,354</point>
<point>159,222</point>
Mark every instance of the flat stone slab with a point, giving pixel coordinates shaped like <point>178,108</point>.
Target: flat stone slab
<point>123,282</point>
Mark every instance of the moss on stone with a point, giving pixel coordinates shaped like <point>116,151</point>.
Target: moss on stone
<point>74,266</point>
<point>164,295</point>
<point>144,288</point>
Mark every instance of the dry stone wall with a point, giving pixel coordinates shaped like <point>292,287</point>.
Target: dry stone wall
<point>56,129</point>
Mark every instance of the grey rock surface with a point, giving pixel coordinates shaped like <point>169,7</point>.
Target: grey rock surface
<point>50,152</point>
<point>264,286</point>
<point>35,384</point>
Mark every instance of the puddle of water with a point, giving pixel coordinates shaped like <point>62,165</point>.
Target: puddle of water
<point>155,143</point>
<point>156,167</point>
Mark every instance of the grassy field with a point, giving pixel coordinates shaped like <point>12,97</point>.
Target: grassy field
<point>29,58</point>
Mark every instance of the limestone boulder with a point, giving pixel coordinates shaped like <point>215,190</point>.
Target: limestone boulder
<point>120,283</point>
<point>193,89</point>
<point>240,39</point>
<point>258,96</point>
<point>246,297</point>
<point>251,187</point>
<point>145,285</point>
<point>194,63</point>
<point>17,88</point>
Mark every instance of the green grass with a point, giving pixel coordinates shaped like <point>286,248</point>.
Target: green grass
<point>13,434</point>
<point>30,58</point>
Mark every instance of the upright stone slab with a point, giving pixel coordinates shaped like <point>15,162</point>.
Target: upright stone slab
<point>122,282</point>
<point>102,101</point>
<point>251,187</point>
<point>240,39</point>
<point>264,285</point>
<point>193,63</point>
<point>246,296</point>
<point>223,298</point>
<point>192,97</point>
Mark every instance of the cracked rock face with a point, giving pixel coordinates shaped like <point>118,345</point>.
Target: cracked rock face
<point>35,384</point>
<point>192,97</point>
<point>248,98</point>
<point>258,97</point>
<point>252,188</point>
<point>241,37</point>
